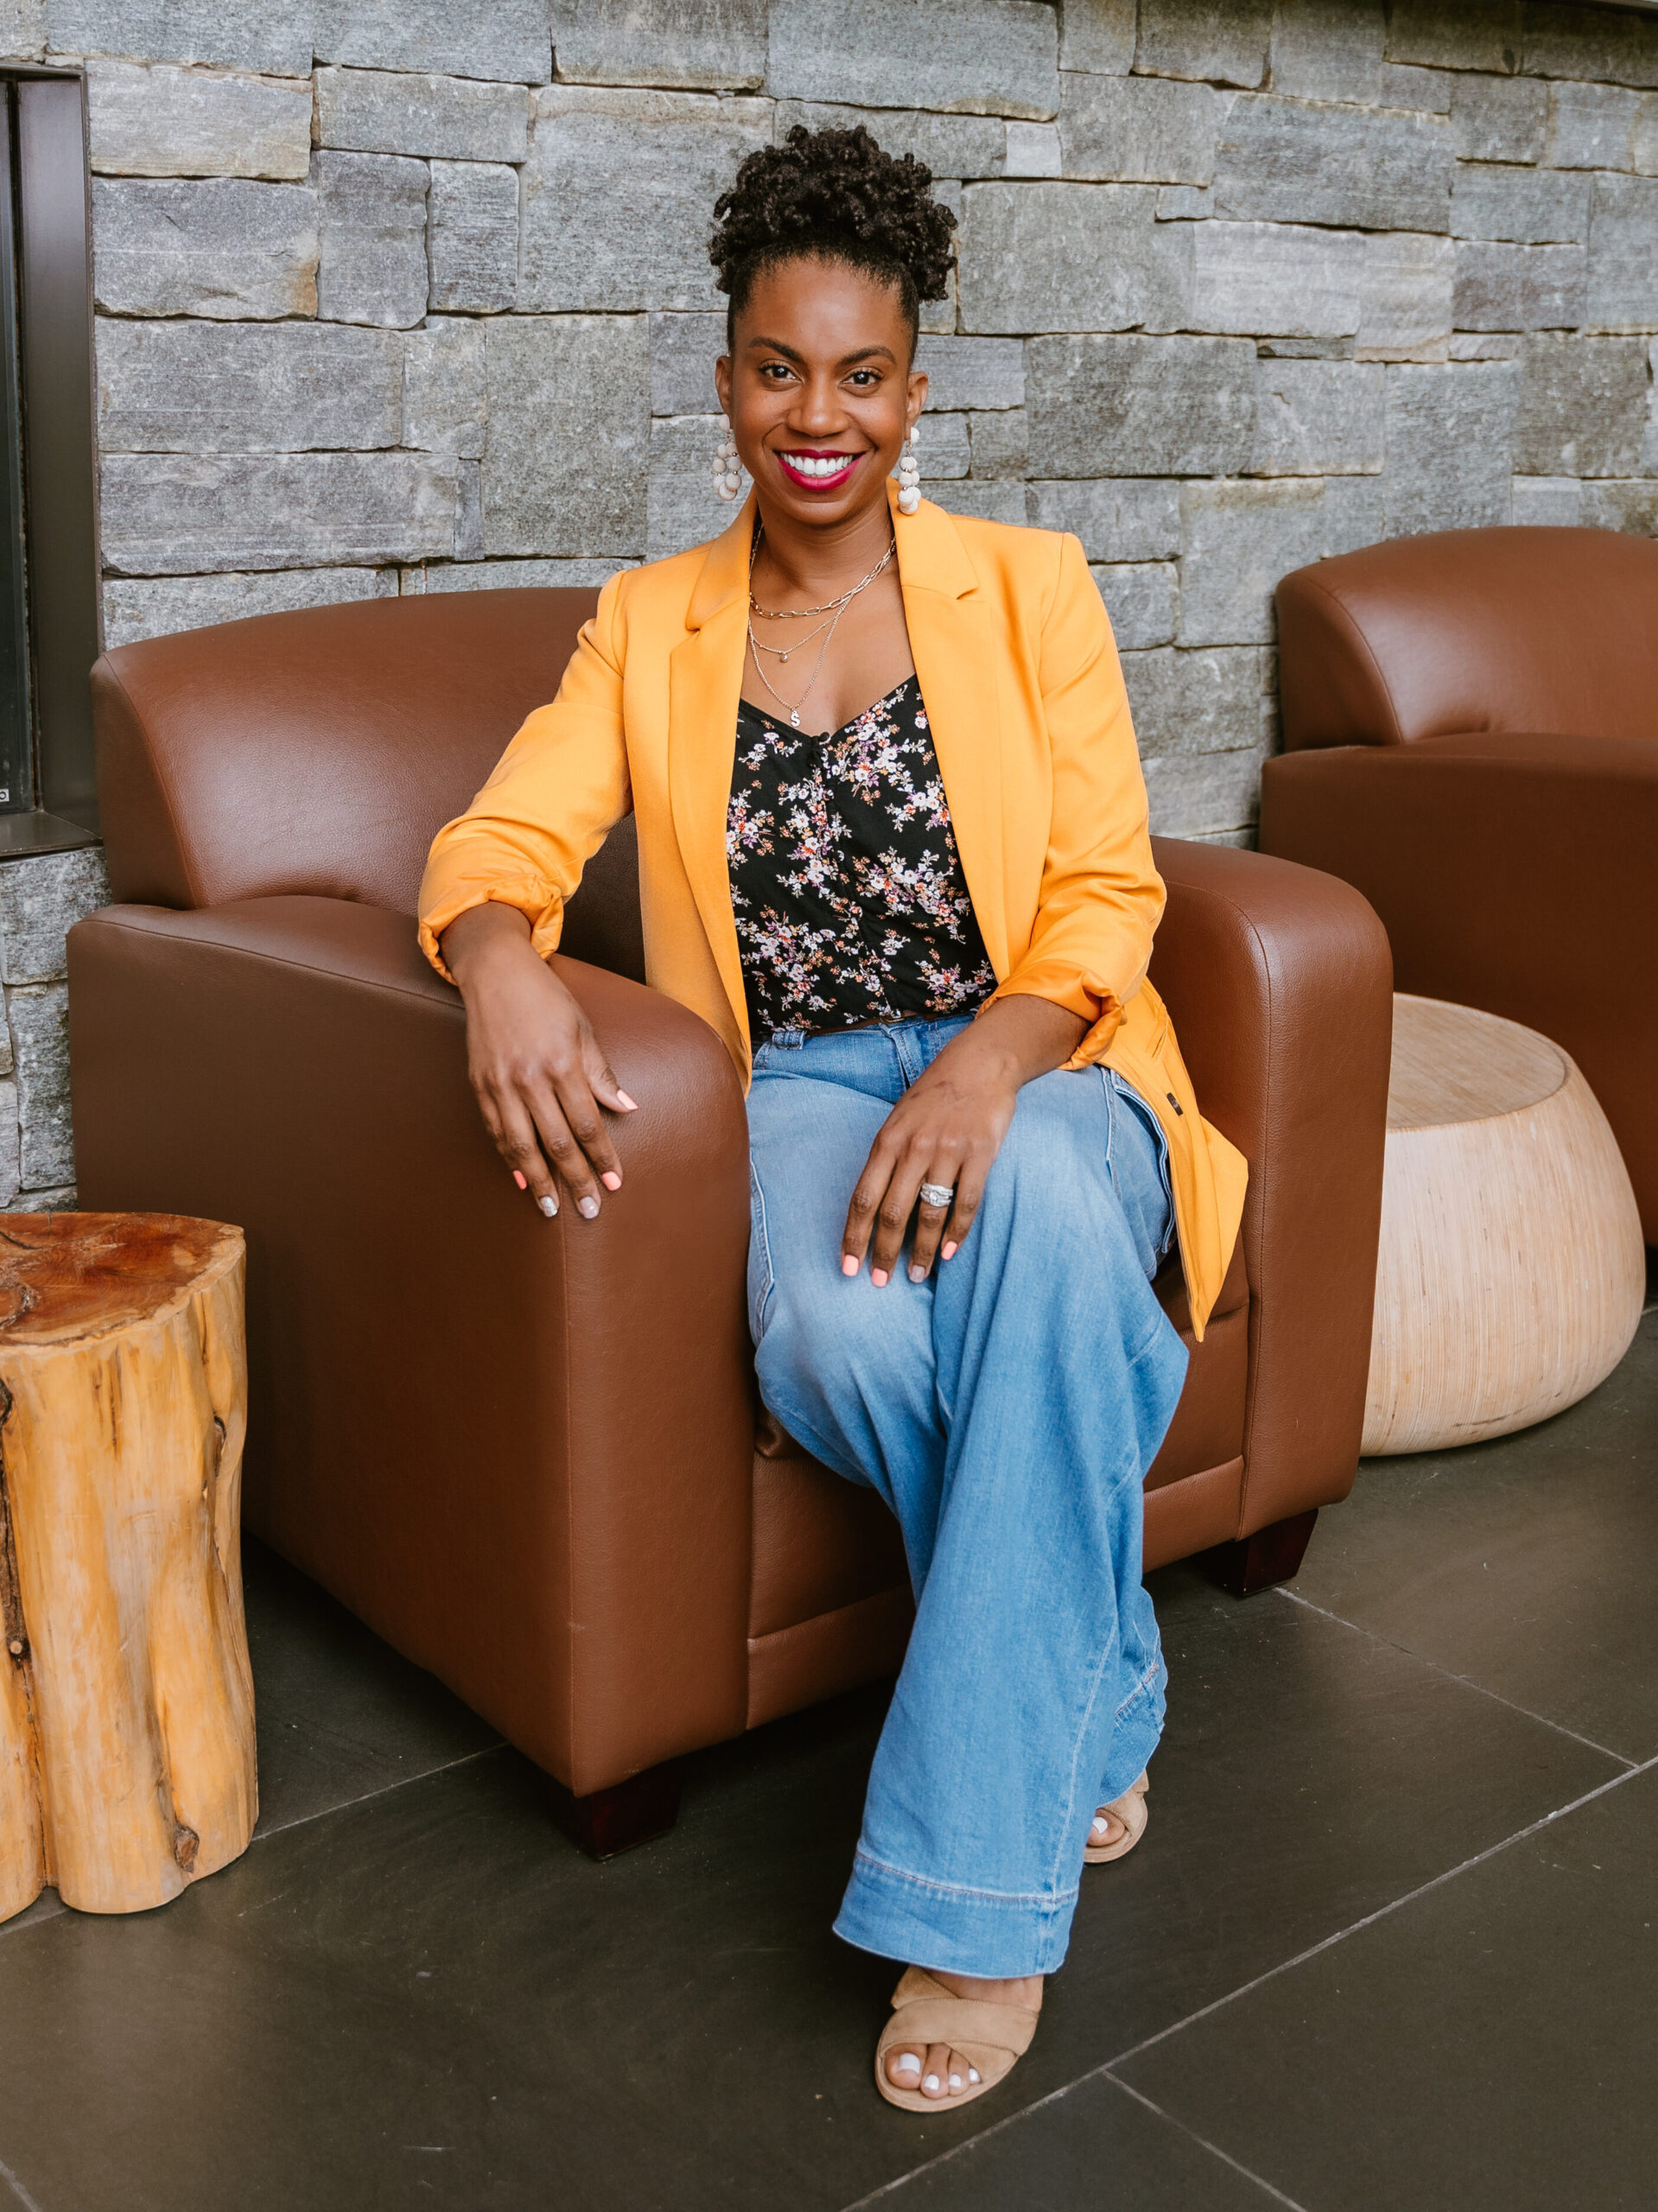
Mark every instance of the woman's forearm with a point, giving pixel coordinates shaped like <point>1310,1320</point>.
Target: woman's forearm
<point>1025,1036</point>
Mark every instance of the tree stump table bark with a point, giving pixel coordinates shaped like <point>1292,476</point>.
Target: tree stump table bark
<point>126,1701</point>
<point>1511,1272</point>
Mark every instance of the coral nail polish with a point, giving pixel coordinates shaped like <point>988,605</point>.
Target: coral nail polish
<point>519,1180</point>
<point>611,1179</point>
<point>951,1250</point>
<point>848,1265</point>
<point>877,1276</point>
<point>631,1104</point>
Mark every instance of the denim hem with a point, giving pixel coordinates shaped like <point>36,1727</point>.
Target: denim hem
<point>921,1924</point>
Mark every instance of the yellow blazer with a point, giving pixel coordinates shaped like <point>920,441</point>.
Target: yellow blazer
<point>1026,702</point>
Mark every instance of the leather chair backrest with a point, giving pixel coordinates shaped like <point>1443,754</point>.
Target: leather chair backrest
<point>1538,629</point>
<point>320,752</point>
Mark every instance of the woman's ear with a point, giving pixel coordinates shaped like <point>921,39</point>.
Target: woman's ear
<point>722,384</point>
<point>916,402</point>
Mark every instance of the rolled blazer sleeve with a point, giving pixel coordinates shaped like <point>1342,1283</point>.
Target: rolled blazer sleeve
<point>1101,898</point>
<point>557,791</point>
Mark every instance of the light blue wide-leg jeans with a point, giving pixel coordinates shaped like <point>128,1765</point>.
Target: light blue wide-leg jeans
<point>1006,1409</point>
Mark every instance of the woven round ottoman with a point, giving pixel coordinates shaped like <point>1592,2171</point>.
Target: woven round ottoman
<point>1512,1271</point>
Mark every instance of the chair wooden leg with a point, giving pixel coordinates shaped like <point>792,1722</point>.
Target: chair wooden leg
<point>1271,1554</point>
<point>632,1812</point>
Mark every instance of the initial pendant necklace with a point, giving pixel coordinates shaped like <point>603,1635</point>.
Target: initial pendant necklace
<point>835,608</point>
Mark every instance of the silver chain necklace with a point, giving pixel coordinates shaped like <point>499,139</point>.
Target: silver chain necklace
<point>834,609</point>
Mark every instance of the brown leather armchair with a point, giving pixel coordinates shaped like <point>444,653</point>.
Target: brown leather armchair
<point>1471,725</point>
<point>529,1453</point>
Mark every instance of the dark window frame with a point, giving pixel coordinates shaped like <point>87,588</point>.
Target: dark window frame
<point>55,806</point>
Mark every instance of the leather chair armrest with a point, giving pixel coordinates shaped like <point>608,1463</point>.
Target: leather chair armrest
<point>1279,984</point>
<point>1512,871</point>
<point>521,1450</point>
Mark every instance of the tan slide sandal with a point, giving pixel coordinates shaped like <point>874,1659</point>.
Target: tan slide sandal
<point>991,2037</point>
<point>1130,1809</point>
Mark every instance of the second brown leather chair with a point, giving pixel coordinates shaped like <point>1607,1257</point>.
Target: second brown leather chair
<point>528,1453</point>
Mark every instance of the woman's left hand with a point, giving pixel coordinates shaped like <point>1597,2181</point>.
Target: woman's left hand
<point>947,1130</point>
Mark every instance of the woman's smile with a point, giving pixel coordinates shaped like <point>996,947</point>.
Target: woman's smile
<point>815,470</point>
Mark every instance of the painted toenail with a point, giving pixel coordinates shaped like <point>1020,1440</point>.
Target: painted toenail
<point>1099,1824</point>
<point>956,2080</point>
<point>932,2082</point>
<point>972,2073</point>
<point>908,2062</point>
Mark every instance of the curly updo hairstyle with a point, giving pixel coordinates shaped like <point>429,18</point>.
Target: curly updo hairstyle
<point>833,194</point>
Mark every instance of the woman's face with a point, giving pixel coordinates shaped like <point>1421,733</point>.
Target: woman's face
<point>819,389</point>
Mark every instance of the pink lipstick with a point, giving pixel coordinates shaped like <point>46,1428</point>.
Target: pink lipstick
<point>815,469</point>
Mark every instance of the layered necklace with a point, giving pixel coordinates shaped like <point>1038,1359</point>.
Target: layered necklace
<point>833,609</point>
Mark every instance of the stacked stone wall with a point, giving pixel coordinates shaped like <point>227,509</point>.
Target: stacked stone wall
<point>408,295</point>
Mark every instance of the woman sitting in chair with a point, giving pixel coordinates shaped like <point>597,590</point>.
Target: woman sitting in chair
<point>893,848</point>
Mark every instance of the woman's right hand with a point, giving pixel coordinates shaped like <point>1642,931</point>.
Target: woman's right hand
<point>535,1063</point>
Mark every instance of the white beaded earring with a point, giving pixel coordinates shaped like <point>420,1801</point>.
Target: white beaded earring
<point>909,477</point>
<point>728,469</point>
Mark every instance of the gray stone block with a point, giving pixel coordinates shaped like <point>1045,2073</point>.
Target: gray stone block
<point>509,576</point>
<point>469,510</point>
<point>1284,278</point>
<point>1064,256</point>
<point>1325,52</point>
<point>1185,203</point>
<point>1033,149</point>
<point>1449,435</point>
<point>1098,35</point>
<point>993,502</point>
<point>1214,797</point>
<point>1631,505</point>
<point>1520,287</point>
<point>159,607</point>
<point>1187,702</point>
<point>215,387</point>
<point>38,1017</point>
<point>1317,418</point>
<point>1240,540</point>
<point>371,227</point>
<point>1139,597</point>
<point>942,445</point>
<point>1583,406</point>
<point>682,509</point>
<point>1530,207</point>
<point>1119,520</point>
<point>43,896</point>
<point>1499,118</point>
<point>445,119</point>
<point>1140,406</point>
<point>1456,33</point>
<point>156,120</point>
<point>1225,41</point>
<point>619,194</point>
<point>443,389</point>
<point>1488,346</point>
<point>1139,129</point>
<point>22,29</point>
<point>1547,502</point>
<point>996,57</point>
<point>1406,296</point>
<point>691,45</point>
<point>1283,160</point>
<point>178,514</point>
<point>1000,443</point>
<point>1623,253</point>
<point>1591,126</point>
<point>273,35</point>
<point>1643,155</point>
<point>1403,84</point>
<point>1578,41</point>
<point>224,249</point>
<point>955,146</point>
<point>471,235</point>
<point>973,372</point>
<point>566,464</point>
<point>11,1166</point>
<point>508,40</point>
<point>684,350</point>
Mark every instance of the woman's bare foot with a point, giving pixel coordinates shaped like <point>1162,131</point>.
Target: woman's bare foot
<point>937,2070</point>
<point>1108,1827</point>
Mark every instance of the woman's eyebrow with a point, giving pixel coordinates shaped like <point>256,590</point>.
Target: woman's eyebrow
<point>847,360</point>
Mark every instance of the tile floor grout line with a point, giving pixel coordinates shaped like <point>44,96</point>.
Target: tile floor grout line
<point>1225,2157</point>
<point>1450,1674</point>
<point>1381,1912</point>
<point>29,2203</point>
<point>403,1781</point>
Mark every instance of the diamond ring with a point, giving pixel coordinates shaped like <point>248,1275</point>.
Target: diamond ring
<point>938,1194</point>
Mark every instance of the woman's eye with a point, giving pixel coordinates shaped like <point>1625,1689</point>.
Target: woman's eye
<point>865,378</point>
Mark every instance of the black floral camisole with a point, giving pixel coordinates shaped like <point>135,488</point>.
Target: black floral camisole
<point>847,889</point>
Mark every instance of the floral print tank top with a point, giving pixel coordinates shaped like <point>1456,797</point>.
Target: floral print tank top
<point>847,889</point>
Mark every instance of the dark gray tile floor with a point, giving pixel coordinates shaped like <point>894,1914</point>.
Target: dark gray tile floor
<point>1389,1940</point>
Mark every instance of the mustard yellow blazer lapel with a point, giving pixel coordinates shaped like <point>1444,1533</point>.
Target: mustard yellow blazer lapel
<point>1026,703</point>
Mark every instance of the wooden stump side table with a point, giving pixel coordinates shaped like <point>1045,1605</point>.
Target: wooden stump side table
<point>126,1702</point>
<point>1512,1270</point>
